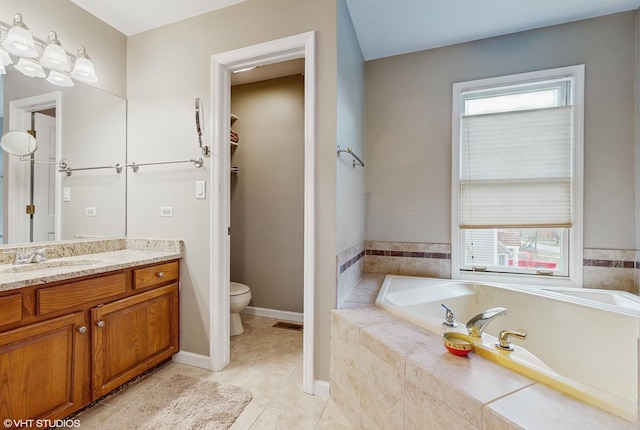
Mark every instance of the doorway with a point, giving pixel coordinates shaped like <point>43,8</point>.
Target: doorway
<point>289,48</point>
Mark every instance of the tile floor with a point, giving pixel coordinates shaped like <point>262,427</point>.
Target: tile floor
<point>265,360</point>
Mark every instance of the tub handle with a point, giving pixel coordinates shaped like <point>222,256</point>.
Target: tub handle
<point>504,338</point>
<point>449,317</point>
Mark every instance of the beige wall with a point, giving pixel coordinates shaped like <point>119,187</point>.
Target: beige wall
<point>637,100</point>
<point>267,207</point>
<point>106,46</point>
<point>169,67</point>
<point>409,126</point>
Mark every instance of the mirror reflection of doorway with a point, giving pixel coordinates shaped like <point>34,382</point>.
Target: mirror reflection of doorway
<point>37,183</point>
<point>33,181</point>
<point>43,221</point>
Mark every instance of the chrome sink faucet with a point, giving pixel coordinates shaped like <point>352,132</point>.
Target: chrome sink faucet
<point>476,325</point>
<point>37,256</point>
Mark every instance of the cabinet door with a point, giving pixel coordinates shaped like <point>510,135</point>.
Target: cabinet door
<point>132,335</point>
<point>41,368</point>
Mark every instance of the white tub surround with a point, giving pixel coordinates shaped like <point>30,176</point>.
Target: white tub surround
<point>579,341</point>
<point>387,374</point>
<point>75,258</point>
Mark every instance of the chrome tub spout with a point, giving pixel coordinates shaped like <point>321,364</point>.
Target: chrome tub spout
<point>476,325</point>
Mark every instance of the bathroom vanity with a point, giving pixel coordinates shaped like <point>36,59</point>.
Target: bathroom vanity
<point>74,328</point>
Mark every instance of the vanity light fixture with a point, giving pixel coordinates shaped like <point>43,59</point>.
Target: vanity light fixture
<point>5,59</point>
<point>30,68</point>
<point>19,41</point>
<point>60,79</point>
<point>54,57</point>
<point>83,68</point>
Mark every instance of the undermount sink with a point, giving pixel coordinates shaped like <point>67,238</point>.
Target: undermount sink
<point>19,268</point>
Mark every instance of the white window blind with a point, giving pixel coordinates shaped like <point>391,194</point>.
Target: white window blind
<point>516,169</point>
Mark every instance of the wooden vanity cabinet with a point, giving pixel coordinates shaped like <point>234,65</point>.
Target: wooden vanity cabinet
<point>41,368</point>
<point>132,335</point>
<point>65,344</point>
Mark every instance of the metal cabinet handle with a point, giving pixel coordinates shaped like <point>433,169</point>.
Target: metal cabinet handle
<point>82,330</point>
<point>160,274</point>
<point>100,324</point>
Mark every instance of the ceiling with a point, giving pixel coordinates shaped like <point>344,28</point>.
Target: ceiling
<point>134,16</point>
<point>385,27</point>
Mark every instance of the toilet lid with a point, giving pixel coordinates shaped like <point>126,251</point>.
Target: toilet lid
<point>236,288</point>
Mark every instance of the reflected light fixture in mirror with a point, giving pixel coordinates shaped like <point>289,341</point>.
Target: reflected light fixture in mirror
<point>5,59</point>
<point>29,67</point>
<point>60,79</point>
<point>21,43</point>
<point>19,143</point>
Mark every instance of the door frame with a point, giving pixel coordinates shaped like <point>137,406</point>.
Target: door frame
<point>288,48</point>
<point>20,119</point>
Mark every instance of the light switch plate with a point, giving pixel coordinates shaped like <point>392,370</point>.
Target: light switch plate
<point>66,194</point>
<point>201,190</point>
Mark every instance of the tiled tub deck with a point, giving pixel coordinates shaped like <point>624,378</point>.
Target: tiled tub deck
<point>387,373</point>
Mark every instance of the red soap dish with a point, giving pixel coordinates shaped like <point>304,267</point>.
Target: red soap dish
<point>457,343</point>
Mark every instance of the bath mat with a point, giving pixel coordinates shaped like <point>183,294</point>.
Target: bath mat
<point>183,403</point>
<point>288,325</point>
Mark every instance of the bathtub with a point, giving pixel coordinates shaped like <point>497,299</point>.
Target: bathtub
<point>581,342</point>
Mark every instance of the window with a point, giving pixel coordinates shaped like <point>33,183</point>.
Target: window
<point>517,177</point>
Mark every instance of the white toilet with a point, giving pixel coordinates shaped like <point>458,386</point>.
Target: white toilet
<point>240,296</point>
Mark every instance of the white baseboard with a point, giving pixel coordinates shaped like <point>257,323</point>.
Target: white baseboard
<point>192,359</point>
<point>272,313</point>
<point>321,388</point>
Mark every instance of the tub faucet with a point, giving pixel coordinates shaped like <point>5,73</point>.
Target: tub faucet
<point>449,317</point>
<point>476,325</point>
<point>504,338</point>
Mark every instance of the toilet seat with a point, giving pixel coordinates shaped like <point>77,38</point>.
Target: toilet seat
<point>236,289</point>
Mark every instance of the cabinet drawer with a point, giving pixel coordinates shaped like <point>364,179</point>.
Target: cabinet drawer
<point>52,299</point>
<point>155,275</point>
<point>10,309</point>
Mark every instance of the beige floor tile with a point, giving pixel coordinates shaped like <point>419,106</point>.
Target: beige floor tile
<point>249,416</point>
<point>273,418</point>
<point>333,419</point>
<point>265,360</point>
<point>96,417</point>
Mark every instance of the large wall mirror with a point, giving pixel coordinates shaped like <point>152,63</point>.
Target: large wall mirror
<point>82,127</point>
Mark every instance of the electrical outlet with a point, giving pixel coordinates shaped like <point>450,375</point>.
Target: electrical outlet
<point>90,211</point>
<point>166,211</point>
